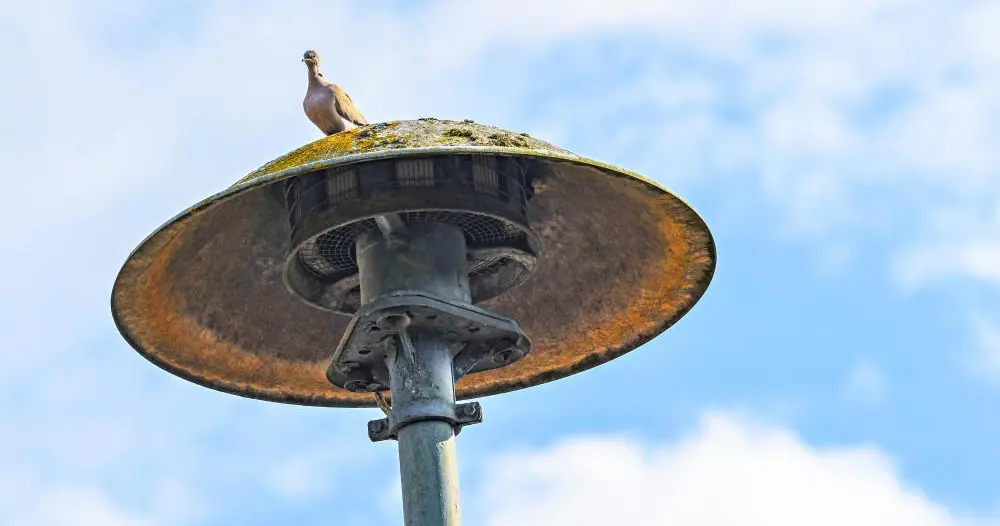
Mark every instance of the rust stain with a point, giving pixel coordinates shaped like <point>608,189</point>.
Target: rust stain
<point>191,351</point>
<point>631,315</point>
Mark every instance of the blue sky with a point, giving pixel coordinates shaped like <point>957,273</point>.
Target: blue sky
<point>844,367</point>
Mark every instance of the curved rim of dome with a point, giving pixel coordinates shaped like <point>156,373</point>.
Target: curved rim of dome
<point>251,182</point>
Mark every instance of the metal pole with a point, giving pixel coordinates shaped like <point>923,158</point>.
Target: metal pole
<point>429,258</point>
<point>428,469</point>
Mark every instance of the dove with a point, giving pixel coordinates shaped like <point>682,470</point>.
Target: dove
<point>331,110</point>
<point>327,104</point>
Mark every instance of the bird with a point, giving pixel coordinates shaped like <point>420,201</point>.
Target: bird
<point>326,104</point>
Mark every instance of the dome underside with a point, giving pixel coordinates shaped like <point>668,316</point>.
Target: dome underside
<point>621,260</point>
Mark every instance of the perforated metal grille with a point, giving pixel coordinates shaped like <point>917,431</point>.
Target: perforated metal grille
<point>469,179</point>
<point>485,266</point>
<point>477,175</point>
<point>332,253</point>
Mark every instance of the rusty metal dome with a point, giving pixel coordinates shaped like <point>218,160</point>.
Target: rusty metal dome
<point>218,294</point>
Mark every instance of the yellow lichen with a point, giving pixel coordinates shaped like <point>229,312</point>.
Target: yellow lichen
<point>374,138</point>
<point>425,132</point>
<point>356,140</point>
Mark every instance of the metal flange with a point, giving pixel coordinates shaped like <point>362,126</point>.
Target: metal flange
<point>479,340</point>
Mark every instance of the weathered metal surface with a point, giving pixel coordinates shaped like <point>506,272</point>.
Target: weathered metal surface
<point>482,339</point>
<point>428,473</point>
<point>430,260</point>
<point>484,195</point>
<point>203,297</point>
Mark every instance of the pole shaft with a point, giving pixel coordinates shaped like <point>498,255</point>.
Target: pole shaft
<point>427,464</point>
<point>431,260</point>
<point>429,474</point>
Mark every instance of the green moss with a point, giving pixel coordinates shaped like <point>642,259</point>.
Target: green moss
<point>376,137</point>
<point>460,132</point>
<point>508,140</point>
<point>427,132</point>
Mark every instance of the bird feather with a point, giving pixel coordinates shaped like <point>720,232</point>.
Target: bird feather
<point>345,107</point>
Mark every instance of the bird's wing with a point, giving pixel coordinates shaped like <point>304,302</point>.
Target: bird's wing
<point>345,107</point>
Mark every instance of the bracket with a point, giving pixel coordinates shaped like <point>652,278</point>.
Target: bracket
<point>478,339</point>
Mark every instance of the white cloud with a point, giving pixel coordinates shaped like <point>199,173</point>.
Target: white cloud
<point>866,384</point>
<point>295,476</point>
<point>305,472</point>
<point>964,249</point>
<point>978,259</point>
<point>729,472</point>
<point>73,506</point>
<point>965,244</point>
<point>816,160</point>
<point>985,361</point>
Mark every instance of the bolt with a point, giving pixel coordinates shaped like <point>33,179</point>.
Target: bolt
<point>356,385</point>
<point>503,356</point>
<point>347,367</point>
<point>376,426</point>
<point>394,322</point>
<point>471,410</point>
<point>507,355</point>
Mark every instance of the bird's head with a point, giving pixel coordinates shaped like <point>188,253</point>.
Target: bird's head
<point>311,58</point>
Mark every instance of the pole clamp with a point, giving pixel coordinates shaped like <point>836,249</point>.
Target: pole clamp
<point>458,415</point>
